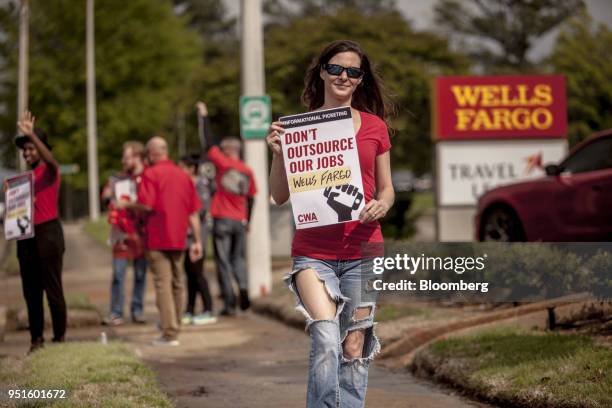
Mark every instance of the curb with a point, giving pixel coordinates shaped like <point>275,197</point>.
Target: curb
<point>403,350</point>
<point>280,310</point>
<point>76,318</point>
<point>2,323</point>
<point>400,353</point>
<point>424,367</point>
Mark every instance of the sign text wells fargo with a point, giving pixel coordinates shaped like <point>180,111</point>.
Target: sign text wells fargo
<point>489,107</point>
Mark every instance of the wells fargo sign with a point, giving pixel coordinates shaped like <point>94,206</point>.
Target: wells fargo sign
<point>489,107</point>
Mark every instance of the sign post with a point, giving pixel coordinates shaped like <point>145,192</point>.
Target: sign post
<point>256,151</point>
<point>92,132</point>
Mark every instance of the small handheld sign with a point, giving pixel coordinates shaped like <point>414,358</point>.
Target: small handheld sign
<point>125,190</point>
<point>19,199</point>
<point>322,165</point>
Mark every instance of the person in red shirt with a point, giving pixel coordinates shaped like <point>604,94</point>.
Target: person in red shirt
<point>169,197</point>
<point>231,211</point>
<point>41,257</point>
<point>329,264</point>
<point>127,234</point>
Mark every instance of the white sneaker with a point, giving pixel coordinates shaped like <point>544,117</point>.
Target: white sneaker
<point>187,319</point>
<point>112,320</point>
<point>163,341</point>
<point>204,318</point>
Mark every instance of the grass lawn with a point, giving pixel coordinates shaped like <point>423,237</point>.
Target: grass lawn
<point>392,311</point>
<point>423,203</point>
<point>92,374</point>
<point>74,301</point>
<point>99,230</point>
<point>81,312</point>
<point>78,301</point>
<point>524,368</point>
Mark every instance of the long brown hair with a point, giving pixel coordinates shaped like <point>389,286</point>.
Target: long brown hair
<point>370,96</point>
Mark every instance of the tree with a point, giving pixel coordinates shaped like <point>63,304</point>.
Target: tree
<point>501,32</point>
<point>302,8</point>
<point>583,53</point>
<point>217,79</point>
<point>145,58</point>
<point>208,17</point>
<point>407,61</point>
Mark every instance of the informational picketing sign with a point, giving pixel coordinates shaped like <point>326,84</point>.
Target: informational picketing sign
<point>322,165</point>
<point>19,201</point>
<point>125,190</point>
<point>468,169</point>
<point>490,131</point>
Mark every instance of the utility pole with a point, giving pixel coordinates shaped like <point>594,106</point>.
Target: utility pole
<point>256,154</point>
<point>181,135</point>
<point>22,78</point>
<point>92,143</point>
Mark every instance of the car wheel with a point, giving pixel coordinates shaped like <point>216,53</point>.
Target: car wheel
<point>502,225</point>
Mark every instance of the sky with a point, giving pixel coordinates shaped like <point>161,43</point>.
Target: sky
<point>420,13</point>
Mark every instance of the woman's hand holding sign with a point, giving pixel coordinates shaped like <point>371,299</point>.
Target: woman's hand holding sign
<point>279,188</point>
<point>374,210</point>
<point>273,139</point>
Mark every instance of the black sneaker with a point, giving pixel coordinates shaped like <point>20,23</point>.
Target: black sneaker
<point>245,303</point>
<point>139,319</point>
<point>36,345</point>
<point>228,312</point>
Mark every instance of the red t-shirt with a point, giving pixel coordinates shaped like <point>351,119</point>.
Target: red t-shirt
<point>171,195</point>
<point>235,182</point>
<point>343,241</point>
<point>46,191</point>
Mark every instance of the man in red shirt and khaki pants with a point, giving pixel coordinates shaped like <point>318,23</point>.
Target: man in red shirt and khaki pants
<point>169,196</point>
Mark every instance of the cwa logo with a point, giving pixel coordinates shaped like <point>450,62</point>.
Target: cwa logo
<point>307,218</point>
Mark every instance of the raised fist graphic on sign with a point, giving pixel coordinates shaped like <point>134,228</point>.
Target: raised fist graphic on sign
<point>343,200</point>
<point>23,223</point>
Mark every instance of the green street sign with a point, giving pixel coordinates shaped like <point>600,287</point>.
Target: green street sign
<point>255,116</point>
<point>69,169</point>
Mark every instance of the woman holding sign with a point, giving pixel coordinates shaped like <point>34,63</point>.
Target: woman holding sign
<point>40,257</point>
<point>329,263</point>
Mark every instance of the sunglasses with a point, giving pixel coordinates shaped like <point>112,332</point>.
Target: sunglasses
<point>333,69</point>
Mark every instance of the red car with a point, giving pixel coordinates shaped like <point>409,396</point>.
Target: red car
<point>573,202</point>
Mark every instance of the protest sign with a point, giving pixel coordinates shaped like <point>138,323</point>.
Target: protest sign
<point>322,165</point>
<point>19,199</point>
<point>125,190</point>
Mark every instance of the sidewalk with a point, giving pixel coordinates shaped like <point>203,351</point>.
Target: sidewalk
<point>246,361</point>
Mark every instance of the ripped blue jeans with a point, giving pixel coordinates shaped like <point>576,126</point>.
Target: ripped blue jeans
<point>333,380</point>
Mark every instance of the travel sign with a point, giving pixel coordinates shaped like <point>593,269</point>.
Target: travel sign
<point>499,107</point>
